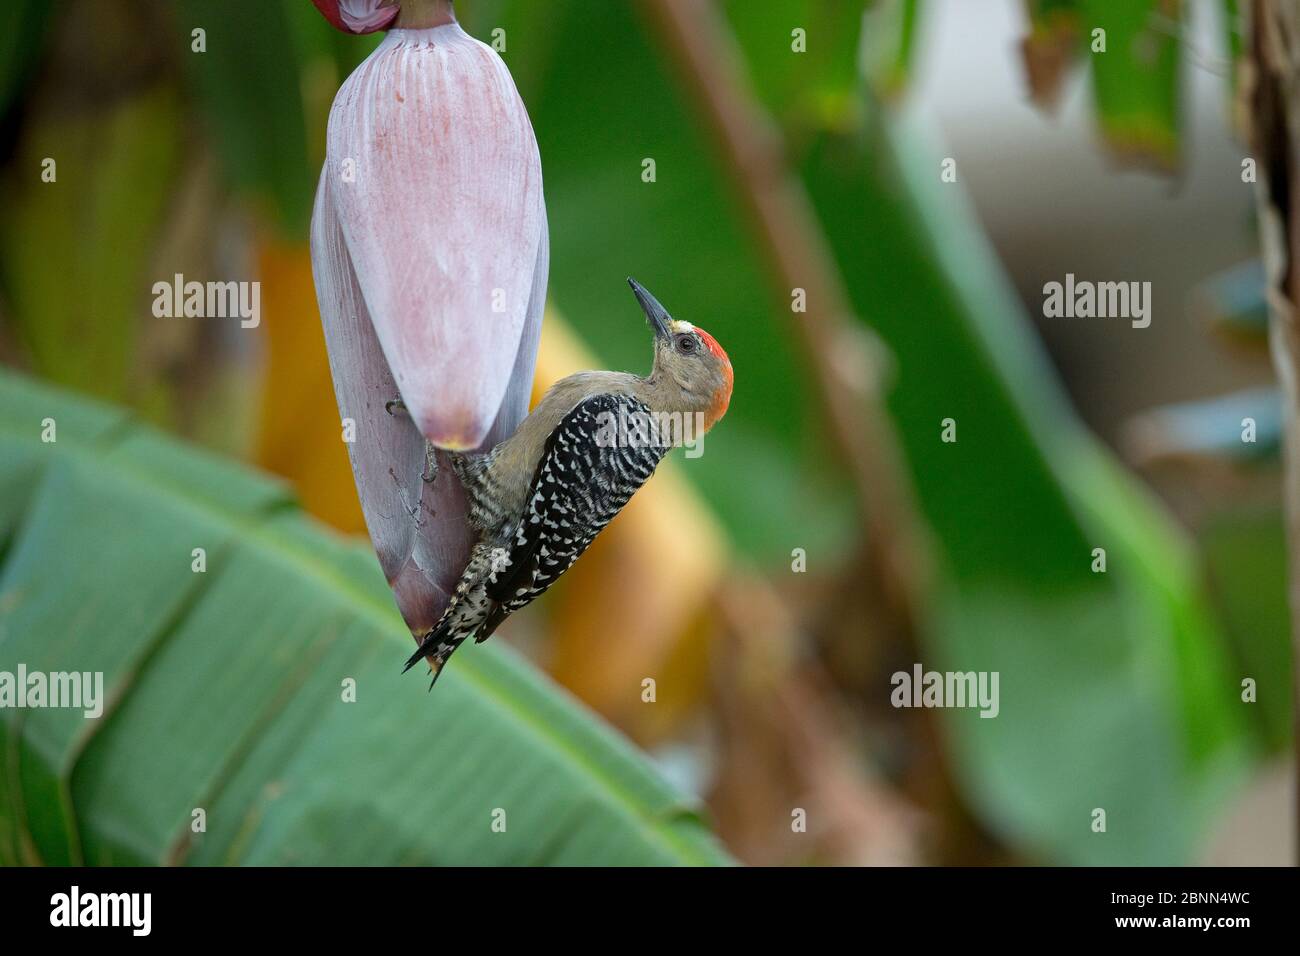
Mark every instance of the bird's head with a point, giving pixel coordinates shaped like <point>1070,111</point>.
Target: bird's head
<point>688,360</point>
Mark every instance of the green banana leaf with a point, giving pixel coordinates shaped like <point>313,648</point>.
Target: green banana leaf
<point>1135,82</point>
<point>1135,53</point>
<point>226,688</point>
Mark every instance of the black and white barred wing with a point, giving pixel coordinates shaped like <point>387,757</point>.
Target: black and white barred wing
<point>601,453</point>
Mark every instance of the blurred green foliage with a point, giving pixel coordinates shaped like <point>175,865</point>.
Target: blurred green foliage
<point>227,689</point>
<point>75,254</point>
<point>1019,502</point>
<point>255,87</point>
<point>22,35</point>
<point>1245,556</point>
<point>1136,81</point>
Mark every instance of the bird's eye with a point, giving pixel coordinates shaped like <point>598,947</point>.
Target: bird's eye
<point>686,344</point>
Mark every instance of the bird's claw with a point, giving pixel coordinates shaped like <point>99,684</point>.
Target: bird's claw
<point>430,472</point>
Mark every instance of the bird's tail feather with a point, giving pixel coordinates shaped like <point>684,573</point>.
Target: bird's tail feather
<point>437,644</point>
<point>458,622</point>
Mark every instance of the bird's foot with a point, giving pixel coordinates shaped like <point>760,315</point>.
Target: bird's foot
<point>430,472</point>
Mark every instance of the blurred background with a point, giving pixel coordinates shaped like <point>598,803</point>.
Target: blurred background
<point>827,537</point>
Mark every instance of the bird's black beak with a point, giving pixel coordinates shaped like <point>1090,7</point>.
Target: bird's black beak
<point>655,313</point>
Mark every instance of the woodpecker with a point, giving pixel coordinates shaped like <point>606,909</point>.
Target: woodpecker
<point>539,498</point>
